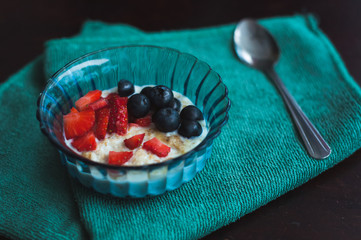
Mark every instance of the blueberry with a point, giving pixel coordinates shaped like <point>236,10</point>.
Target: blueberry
<point>175,104</point>
<point>138,105</point>
<point>189,128</point>
<point>166,119</point>
<point>161,96</point>
<point>191,113</point>
<point>125,88</point>
<point>147,91</point>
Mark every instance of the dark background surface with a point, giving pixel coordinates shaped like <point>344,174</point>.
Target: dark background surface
<point>327,207</point>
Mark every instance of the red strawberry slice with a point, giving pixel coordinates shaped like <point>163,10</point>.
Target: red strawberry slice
<point>122,124</point>
<point>122,100</point>
<point>102,120</point>
<point>73,110</point>
<point>83,102</point>
<point>145,121</point>
<point>156,147</point>
<point>119,158</point>
<point>134,141</point>
<point>133,125</point>
<point>98,104</point>
<point>86,142</point>
<point>118,120</point>
<point>77,124</point>
<point>112,95</point>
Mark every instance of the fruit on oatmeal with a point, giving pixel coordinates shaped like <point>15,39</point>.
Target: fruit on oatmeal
<point>133,130</point>
<point>166,119</point>
<point>86,142</point>
<point>138,105</point>
<point>147,91</point>
<point>134,142</point>
<point>156,147</point>
<point>118,119</point>
<point>98,104</point>
<point>125,88</point>
<point>131,125</point>
<point>73,110</point>
<point>191,113</point>
<point>161,96</point>
<point>83,102</point>
<point>119,158</point>
<point>144,122</point>
<point>122,100</point>
<point>102,120</point>
<point>189,128</point>
<point>175,104</point>
<point>77,124</point>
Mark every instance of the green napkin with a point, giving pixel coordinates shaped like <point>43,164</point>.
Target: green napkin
<point>257,157</point>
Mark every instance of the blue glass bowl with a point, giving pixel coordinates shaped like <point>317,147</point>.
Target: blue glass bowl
<point>142,65</point>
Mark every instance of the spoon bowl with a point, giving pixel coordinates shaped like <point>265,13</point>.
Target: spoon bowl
<point>254,45</point>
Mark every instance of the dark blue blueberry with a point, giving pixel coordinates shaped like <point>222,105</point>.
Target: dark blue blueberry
<point>166,119</point>
<point>147,91</point>
<point>191,113</point>
<point>175,104</point>
<point>125,88</point>
<point>161,96</point>
<point>189,128</point>
<point>138,105</point>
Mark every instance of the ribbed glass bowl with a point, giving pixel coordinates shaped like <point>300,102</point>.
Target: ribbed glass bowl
<point>142,65</point>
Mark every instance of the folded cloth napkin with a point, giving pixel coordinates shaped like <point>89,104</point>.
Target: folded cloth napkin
<point>257,157</point>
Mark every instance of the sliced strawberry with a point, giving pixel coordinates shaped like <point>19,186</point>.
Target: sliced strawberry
<point>133,125</point>
<point>86,142</point>
<point>83,102</point>
<point>77,124</point>
<point>122,123</point>
<point>156,147</point>
<point>122,100</point>
<point>101,120</point>
<point>98,104</point>
<point>111,95</point>
<point>145,121</point>
<point>73,110</point>
<point>119,158</point>
<point>118,120</point>
<point>134,141</point>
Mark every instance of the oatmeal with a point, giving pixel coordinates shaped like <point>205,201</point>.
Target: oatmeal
<point>134,125</point>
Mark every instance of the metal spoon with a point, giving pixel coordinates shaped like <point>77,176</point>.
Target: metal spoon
<point>256,47</point>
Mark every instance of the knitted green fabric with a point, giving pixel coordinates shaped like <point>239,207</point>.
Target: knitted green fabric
<point>257,157</point>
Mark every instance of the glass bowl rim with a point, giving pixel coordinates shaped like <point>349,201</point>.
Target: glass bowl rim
<point>87,161</point>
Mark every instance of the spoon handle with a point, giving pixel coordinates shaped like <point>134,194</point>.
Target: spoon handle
<point>315,144</point>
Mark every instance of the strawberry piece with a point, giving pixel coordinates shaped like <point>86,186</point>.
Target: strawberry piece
<point>156,147</point>
<point>118,120</point>
<point>102,120</point>
<point>86,142</point>
<point>83,102</point>
<point>77,124</point>
<point>73,110</point>
<point>133,125</point>
<point>134,141</point>
<point>145,121</point>
<point>122,100</point>
<point>122,124</point>
<point>98,104</point>
<point>119,158</point>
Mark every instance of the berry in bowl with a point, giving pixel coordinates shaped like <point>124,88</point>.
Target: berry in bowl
<point>133,125</point>
<point>134,121</point>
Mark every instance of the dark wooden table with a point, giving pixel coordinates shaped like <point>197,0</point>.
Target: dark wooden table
<point>327,207</point>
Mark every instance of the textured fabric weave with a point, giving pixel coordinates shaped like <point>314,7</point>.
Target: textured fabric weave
<point>257,157</point>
